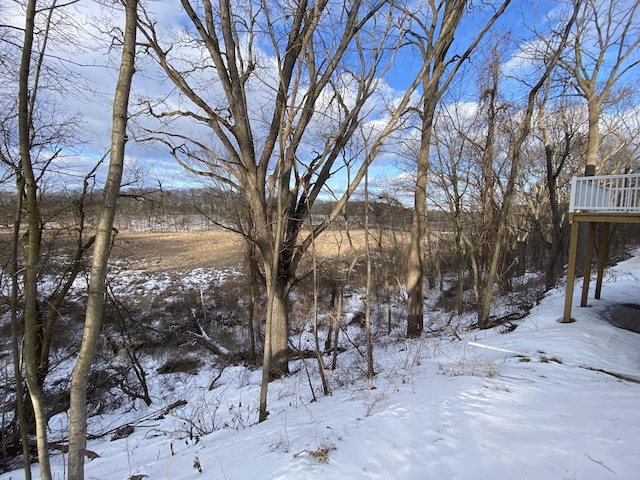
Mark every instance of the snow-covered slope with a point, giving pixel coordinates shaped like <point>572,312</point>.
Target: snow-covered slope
<point>439,408</point>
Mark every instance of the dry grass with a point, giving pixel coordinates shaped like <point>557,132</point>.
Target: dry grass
<point>331,243</point>
<point>215,249</point>
<point>219,249</point>
<point>180,251</point>
<point>159,251</point>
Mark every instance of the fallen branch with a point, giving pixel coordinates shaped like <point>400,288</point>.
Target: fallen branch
<point>151,416</point>
<point>599,463</point>
<point>627,376</point>
<point>207,342</point>
<point>64,448</point>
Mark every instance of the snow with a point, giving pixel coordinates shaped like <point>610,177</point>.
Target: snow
<point>439,407</point>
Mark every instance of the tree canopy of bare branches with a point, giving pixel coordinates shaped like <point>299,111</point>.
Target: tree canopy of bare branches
<point>274,93</point>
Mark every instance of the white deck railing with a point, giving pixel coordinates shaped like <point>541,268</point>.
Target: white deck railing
<point>605,193</point>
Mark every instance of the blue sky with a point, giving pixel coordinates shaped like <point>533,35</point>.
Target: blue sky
<point>100,72</point>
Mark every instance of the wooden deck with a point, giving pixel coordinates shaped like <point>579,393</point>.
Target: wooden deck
<point>600,200</point>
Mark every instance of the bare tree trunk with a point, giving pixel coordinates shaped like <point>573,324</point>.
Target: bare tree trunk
<point>32,247</point>
<point>266,363</point>
<point>97,286</point>
<point>415,262</point>
<point>593,136</point>
<point>460,263</point>
<point>276,309</point>
<point>434,44</point>
<point>369,293</point>
<point>321,368</point>
<point>332,320</point>
<point>554,264</point>
<point>337,320</point>
<point>21,415</point>
<point>474,266</point>
<point>489,247</point>
<point>308,63</point>
<point>554,163</point>
<point>279,365</point>
<point>253,297</point>
<point>387,293</point>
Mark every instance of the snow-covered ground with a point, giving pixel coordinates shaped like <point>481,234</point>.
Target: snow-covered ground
<point>439,408</point>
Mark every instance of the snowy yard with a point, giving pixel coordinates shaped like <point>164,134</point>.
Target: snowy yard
<point>439,408</point>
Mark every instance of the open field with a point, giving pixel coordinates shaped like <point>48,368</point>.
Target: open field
<point>220,249</point>
<point>179,251</point>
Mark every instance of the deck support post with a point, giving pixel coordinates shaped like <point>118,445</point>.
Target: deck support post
<point>602,257</point>
<point>571,272</point>
<point>588,260</point>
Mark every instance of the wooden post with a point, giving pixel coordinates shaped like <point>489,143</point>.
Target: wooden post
<point>591,240</point>
<point>571,271</point>
<point>602,256</point>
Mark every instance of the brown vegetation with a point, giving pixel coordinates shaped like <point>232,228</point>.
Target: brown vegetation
<point>155,252</point>
<point>175,251</point>
<point>179,251</point>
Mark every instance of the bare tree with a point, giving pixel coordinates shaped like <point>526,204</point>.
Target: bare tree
<point>432,30</point>
<point>478,172</point>
<point>602,52</point>
<point>11,168</point>
<point>21,413</point>
<point>278,154</point>
<point>369,288</point>
<point>26,98</point>
<point>558,135</point>
<point>470,171</point>
<point>34,131</point>
<point>452,178</point>
<point>560,138</point>
<point>515,153</point>
<point>102,248</point>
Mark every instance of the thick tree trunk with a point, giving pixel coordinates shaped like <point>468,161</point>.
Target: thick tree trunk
<point>97,287</point>
<point>593,149</point>
<point>415,272</point>
<point>279,366</point>
<point>250,258</point>
<point>434,52</point>
<point>593,136</point>
<point>275,361</point>
<point>415,263</point>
